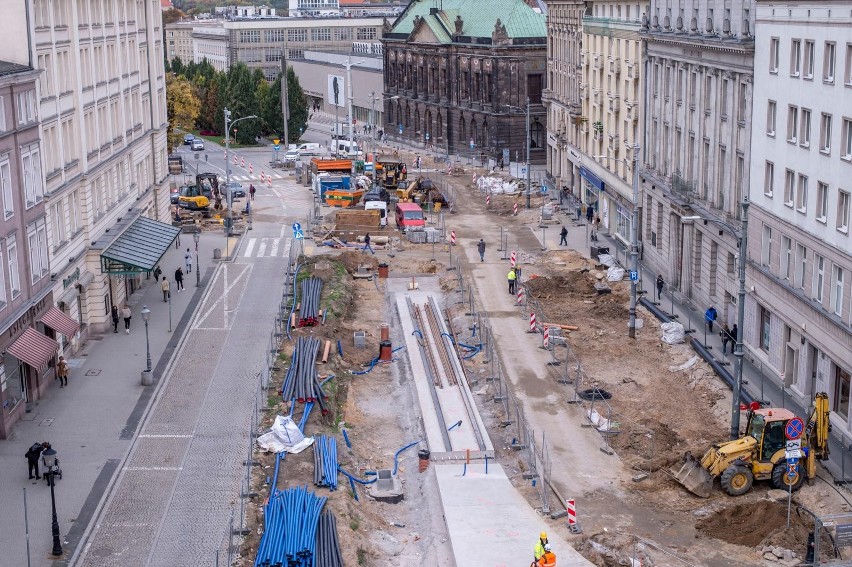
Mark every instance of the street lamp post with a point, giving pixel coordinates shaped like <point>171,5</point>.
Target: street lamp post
<point>742,236</point>
<point>146,315</point>
<point>196,236</point>
<point>528,180</point>
<point>49,459</point>
<point>229,218</point>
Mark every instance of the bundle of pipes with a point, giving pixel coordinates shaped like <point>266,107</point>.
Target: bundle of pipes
<point>301,380</point>
<point>309,297</point>
<point>328,547</point>
<point>325,462</point>
<point>290,535</point>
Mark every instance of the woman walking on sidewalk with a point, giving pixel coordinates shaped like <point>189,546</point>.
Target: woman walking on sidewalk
<point>62,372</point>
<point>126,314</point>
<point>114,319</point>
<point>164,285</point>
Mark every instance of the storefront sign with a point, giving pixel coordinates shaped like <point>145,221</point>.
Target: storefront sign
<point>591,178</point>
<point>29,316</point>
<point>71,279</point>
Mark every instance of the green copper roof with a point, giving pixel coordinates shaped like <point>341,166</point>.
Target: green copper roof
<point>479,17</point>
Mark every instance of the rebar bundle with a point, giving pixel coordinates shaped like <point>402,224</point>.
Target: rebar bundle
<point>290,535</point>
<point>328,547</point>
<point>325,461</point>
<point>309,296</point>
<point>301,381</point>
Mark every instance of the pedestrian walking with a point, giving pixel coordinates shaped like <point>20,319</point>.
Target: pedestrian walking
<point>157,272</point>
<point>725,333</point>
<point>179,279</point>
<point>590,213</point>
<point>62,372</point>
<point>480,247</point>
<point>660,284</point>
<point>735,333</point>
<point>563,236</point>
<point>114,319</point>
<point>187,260</point>
<point>164,285</point>
<point>513,278</point>
<point>579,211</point>
<point>126,314</point>
<point>251,192</point>
<point>710,316</point>
<point>367,244</point>
<point>33,454</point>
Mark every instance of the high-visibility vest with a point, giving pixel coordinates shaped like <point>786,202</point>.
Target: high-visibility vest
<point>538,551</point>
<point>548,559</point>
<point>512,275</point>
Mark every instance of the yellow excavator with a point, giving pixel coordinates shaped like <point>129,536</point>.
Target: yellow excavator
<point>197,197</point>
<point>761,454</point>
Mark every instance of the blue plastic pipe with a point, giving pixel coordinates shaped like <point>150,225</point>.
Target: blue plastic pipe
<point>396,455</point>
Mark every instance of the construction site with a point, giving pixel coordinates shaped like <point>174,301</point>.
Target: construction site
<point>439,420</point>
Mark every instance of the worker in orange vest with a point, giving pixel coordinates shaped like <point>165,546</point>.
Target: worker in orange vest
<point>548,559</point>
<point>538,550</point>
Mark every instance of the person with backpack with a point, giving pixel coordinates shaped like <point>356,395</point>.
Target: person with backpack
<point>33,454</point>
<point>251,192</point>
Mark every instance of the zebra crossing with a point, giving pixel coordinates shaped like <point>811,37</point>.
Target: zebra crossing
<point>267,247</point>
<point>254,178</point>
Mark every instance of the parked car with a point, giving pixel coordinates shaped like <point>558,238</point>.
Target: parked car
<point>292,155</point>
<point>175,193</point>
<point>187,140</point>
<point>197,144</point>
<point>236,190</point>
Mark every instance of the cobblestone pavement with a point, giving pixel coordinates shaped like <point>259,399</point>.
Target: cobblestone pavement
<point>173,499</point>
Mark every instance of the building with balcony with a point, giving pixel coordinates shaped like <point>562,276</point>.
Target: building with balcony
<point>698,80</point>
<point>799,317</point>
<point>458,77</point>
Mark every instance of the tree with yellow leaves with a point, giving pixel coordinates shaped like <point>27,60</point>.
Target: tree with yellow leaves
<point>182,106</point>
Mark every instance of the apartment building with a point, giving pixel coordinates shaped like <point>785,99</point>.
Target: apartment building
<point>611,102</point>
<point>697,95</point>
<point>101,97</point>
<point>799,322</point>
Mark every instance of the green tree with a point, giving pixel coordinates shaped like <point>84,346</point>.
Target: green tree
<point>242,99</point>
<point>270,108</point>
<point>182,107</point>
<point>177,66</point>
<point>298,106</point>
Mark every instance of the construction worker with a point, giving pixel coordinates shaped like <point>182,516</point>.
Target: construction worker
<point>548,559</point>
<point>512,277</point>
<point>538,551</point>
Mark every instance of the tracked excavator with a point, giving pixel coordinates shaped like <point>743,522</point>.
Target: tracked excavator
<point>760,454</point>
<point>197,197</point>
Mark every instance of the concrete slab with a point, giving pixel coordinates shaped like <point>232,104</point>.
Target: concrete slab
<point>490,522</point>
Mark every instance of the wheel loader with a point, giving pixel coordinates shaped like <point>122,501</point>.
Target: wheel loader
<point>197,197</point>
<point>760,454</point>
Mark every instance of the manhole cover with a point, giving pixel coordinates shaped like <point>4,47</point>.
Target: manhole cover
<point>92,372</point>
<point>47,422</point>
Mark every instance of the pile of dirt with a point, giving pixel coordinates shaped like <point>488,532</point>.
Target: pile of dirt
<point>754,524</point>
<point>352,259</point>
<point>570,283</point>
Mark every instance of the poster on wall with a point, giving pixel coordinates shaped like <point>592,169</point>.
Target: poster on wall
<point>336,93</point>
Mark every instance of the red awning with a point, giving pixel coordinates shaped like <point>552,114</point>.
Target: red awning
<point>57,320</point>
<point>34,348</point>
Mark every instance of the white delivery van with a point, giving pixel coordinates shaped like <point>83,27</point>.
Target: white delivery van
<point>348,149</point>
<point>310,149</point>
<point>380,206</point>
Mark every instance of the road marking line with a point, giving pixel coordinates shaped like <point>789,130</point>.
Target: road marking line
<point>261,250</point>
<point>164,436</point>
<point>153,468</point>
<point>274,250</point>
<point>283,228</point>
<point>250,247</point>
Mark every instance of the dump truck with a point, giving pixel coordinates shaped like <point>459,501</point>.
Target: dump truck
<point>197,197</point>
<point>765,452</point>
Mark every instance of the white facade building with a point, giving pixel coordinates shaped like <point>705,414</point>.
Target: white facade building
<point>801,171</point>
<point>102,104</point>
<point>211,43</point>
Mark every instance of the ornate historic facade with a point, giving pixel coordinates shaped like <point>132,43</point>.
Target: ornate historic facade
<point>458,77</point>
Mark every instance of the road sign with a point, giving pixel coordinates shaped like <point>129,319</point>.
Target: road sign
<point>276,147</point>
<point>471,144</point>
<point>793,449</point>
<point>427,136</point>
<point>634,276</point>
<point>792,470</point>
<point>843,535</point>
<point>298,234</point>
<point>276,141</point>
<point>794,428</point>
<point>296,226</point>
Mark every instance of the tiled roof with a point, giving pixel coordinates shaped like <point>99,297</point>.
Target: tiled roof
<point>8,68</point>
<point>479,18</point>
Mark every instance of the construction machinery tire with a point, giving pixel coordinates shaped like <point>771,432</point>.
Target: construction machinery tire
<point>781,481</point>
<point>737,480</point>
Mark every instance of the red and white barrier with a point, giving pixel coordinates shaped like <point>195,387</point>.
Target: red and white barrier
<point>520,296</point>
<point>474,178</point>
<point>488,199</point>
<point>572,512</point>
<point>242,162</point>
<point>546,339</point>
<point>514,259</point>
<point>532,323</point>
<point>515,209</point>
<point>235,160</point>
<point>269,181</point>
<point>251,168</point>
<point>453,237</point>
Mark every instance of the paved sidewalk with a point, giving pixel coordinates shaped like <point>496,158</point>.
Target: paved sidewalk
<point>91,422</point>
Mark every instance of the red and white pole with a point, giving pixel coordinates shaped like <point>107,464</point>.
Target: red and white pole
<point>488,200</point>
<point>520,296</point>
<point>546,340</point>
<point>453,237</point>
<point>251,168</point>
<point>242,162</point>
<point>532,323</point>
<point>515,209</point>
<point>514,259</point>
<point>269,181</point>
<point>572,512</point>
<point>235,160</point>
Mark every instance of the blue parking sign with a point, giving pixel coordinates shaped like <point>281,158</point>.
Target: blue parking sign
<point>634,276</point>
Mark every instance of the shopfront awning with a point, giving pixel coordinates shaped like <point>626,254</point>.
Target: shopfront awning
<point>57,320</point>
<point>34,348</point>
<point>139,248</point>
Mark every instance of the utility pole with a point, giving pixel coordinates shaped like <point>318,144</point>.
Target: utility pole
<point>738,347</point>
<point>285,98</point>
<point>349,101</point>
<point>529,187</point>
<point>373,121</point>
<point>634,244</point>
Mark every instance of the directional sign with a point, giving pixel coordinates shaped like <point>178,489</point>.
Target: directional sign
<point>298,234</point>
<point>276,147</point>
<point>471,144</point>
<point>634,276</point>
<point>297,226</point>
<point>794,428</point>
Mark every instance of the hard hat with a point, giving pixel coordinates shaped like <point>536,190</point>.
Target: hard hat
<point>543,535</point>
<point>547,547</point>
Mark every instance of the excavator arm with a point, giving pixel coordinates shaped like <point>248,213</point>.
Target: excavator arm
<point>817,431</point>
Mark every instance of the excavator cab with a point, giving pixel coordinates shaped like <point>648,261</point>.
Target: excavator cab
<point>197,197</point>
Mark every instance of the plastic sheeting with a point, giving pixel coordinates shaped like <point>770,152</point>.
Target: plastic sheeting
<point>284,436</point>
<point>607,260</point>
<point>496,186</point>
<point>615,274</point>
<point>672,333</point>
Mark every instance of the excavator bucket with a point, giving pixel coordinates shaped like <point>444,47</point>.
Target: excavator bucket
<point>692,476</point>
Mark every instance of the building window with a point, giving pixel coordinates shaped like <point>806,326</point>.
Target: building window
<point>825,133</point>
<point>534,88</point>
<point>795,57</point>
<point>805,129</point>
<point>342,34</point>
<point>2,114</point>
<point>802,194</point>
<point>33,180</point>
<point>37,243</point>
<point>771,110</point>
<point>841,392</point>
<point>250,36</point>
<point>843,203</point>
<point>25,107</point>
<point>846,140</point>
<point>321,34</point>
<point>828,62</point>
<point>273,36</point>
<point>765,328</point>
<point>2,286</point>
<point>297,35</point>
<point>848,74</point>
<point>801,266</point>
<point>6,186</point>
<point>836,299</point>
<point>819,278</point>
<point>766,245</point>
<point>365,34</point>
<point>57,224</point>
<point>14,275</point>
<point>774,51</point>
<point>769,179</point>
<point>808,71</point>
<point>821,201</point>
<point>786,257</point>
<point>792,123</point>
<point>789,187</point>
